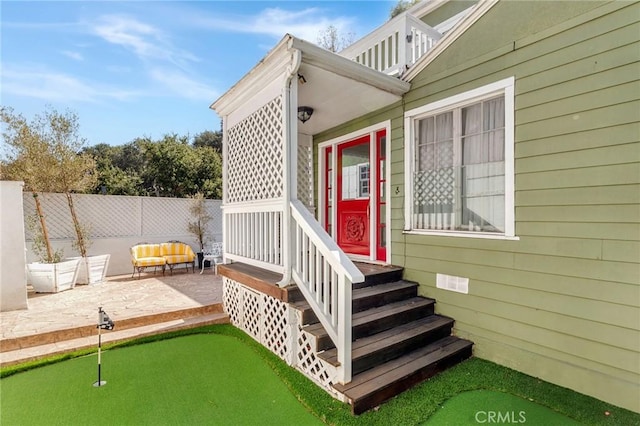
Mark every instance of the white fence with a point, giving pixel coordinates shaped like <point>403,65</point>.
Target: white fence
<point>117,222</point>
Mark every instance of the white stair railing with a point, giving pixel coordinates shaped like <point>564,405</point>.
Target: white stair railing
<point>324,274</point>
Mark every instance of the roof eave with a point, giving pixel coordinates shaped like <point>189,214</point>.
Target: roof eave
<point>322,58</point>
<point>273,63</point>
<point>276,62</point>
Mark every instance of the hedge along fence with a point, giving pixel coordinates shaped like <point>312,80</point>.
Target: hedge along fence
<point>116,222</point>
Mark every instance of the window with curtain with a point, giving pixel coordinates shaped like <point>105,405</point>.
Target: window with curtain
<point>458,168</point>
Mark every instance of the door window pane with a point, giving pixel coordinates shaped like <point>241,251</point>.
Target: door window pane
<point>355,172</point>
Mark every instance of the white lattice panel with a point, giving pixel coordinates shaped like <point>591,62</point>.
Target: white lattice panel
<point>308,362</point>
<point>56,212</point>
<point>251,313</point>
<point>110,216</point>
<point>277,326</point>
<point>115,216</point>
<point>255,169</point>
<point>305,173</point>
<point>276,333</point>
<point>263,317</point>
<point>232,301</point>
<point>162,216</point>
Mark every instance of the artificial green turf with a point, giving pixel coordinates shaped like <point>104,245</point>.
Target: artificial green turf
<point>414,407</point>
<point>197,379</point>
<point>483,406</point>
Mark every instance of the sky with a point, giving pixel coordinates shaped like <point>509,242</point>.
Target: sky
<point>146,69</point>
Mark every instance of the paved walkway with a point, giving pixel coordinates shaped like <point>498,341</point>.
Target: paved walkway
<point>122,297</point>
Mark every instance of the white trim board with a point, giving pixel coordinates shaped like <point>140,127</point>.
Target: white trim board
<point>506,86</point>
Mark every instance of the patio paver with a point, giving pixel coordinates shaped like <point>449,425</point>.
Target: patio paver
<point>122,297</point>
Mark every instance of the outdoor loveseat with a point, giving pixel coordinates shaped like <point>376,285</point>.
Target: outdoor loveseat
<point>172,253</point>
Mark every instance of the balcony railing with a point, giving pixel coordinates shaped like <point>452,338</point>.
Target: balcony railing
<point>395,46</point>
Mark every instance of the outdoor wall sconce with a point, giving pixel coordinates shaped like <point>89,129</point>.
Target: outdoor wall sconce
<point>304,113</point>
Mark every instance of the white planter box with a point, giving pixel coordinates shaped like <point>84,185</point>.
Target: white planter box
<point>92,269</point>
<point>52,277</point>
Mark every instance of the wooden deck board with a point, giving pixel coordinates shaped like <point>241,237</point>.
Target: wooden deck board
<point>257,278</point>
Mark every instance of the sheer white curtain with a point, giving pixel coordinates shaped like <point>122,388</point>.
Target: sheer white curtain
<point>482,177</point>
<point>459,169</point>
<point>434,195</point>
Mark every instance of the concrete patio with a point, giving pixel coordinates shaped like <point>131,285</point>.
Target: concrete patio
<point>65,321</point>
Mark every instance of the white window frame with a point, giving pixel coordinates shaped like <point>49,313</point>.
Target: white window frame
<point>503,87</point>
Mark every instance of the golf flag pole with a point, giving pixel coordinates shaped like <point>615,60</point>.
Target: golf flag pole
<point>104,322</point>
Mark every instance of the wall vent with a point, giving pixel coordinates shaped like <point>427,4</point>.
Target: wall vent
<point>449,282</point>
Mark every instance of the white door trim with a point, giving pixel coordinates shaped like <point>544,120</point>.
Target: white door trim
<point>373,187</point>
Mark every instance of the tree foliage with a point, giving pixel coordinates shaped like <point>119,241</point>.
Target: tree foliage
<point>169,167</point>
<point>209,138</point>
<point>46,154</point>
<point>401,6</point>
<point>331,39</point>
<point>50,156</point>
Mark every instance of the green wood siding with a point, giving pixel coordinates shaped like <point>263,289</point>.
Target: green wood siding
<point>446,11</point>
<point>563,302</point>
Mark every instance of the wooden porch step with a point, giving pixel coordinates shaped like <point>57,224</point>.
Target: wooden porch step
<point>378,319</point>
<point>366,298</point>
<point>372,387</point>
<point>382,294</point>
<point>379,348</point>
<point>378,274</point>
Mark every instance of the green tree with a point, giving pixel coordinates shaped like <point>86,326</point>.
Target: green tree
<point>119,168</point>
<point>171,166</point>
<point>46,155</point>
<point>209,172</point>
<point>209,138</point>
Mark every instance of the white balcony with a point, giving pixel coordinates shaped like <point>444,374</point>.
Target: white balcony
<point>395,46</point>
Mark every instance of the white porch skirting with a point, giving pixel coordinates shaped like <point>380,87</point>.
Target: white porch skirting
<point>277,326</point>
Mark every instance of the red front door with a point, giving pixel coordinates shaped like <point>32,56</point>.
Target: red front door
<point>353,209</point>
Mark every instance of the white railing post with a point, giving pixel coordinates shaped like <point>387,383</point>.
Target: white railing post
<point>344,330</point>
<point>407,43</point>
<point>225,155</point>
<point>290,163</point>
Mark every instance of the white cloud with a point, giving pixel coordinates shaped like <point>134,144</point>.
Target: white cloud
<point>73,55</point>
<point>54,86</point>
<point>306,24</point>
<point>183,85</point>
<point>146,41</point>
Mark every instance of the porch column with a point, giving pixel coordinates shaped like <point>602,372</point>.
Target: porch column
<point>290,166</point>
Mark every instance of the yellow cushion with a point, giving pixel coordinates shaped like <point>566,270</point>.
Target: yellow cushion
<point>178,258</point>
<point>145,250</point>
<point>177,249</point>
<point>149,261</point>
